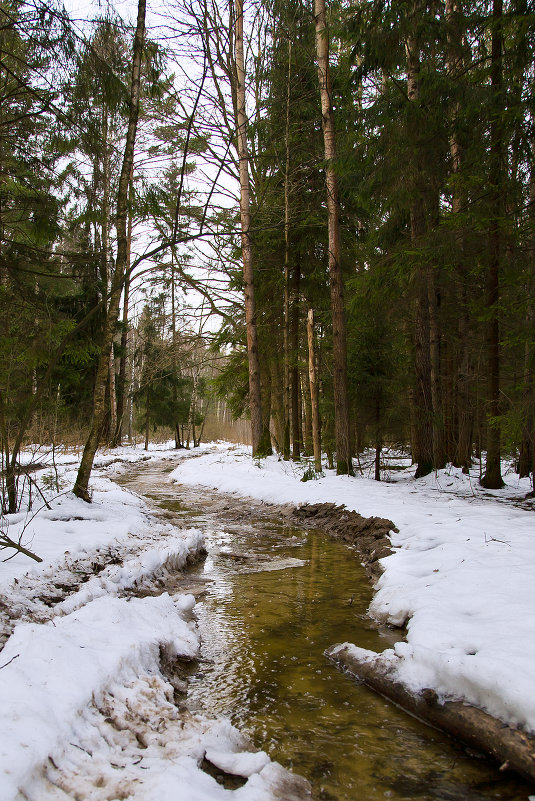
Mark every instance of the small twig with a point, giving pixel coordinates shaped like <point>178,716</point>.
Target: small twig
<point>493,539</point>
<point>81,749</point>
<point>10,661</point>
<point>38,488</point>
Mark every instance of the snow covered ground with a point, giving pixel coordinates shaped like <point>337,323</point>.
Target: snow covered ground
<point>87,712</point>
<point>462,576</point>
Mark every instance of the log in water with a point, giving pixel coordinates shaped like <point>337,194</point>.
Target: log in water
<point>274,599</point>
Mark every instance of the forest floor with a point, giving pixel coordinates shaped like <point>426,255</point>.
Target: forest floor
<point>89,706</point>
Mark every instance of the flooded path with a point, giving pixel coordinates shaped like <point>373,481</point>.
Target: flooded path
<point>271,598</point>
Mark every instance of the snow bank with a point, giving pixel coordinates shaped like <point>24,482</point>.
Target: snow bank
<point>72,527</point>
<point>53,671</point>
<point>462,576</point>
<point>86,711</point>
<point>149,564</point>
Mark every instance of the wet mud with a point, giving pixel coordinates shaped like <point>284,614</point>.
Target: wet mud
<point>369,535</point>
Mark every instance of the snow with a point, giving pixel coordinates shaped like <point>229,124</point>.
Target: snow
<point>239,764</point>
<point>87,709</point>
<point>108,639</point>
<point>461,578</point>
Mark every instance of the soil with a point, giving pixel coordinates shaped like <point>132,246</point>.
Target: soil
<point>369,535</point>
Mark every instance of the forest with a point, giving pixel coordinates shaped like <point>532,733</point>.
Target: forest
<point>318,218</point>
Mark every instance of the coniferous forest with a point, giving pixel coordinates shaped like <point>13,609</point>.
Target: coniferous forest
<point>317,217</point>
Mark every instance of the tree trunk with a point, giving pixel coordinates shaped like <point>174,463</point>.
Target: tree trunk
<point>122,388</point>
<point>525,461</point>
<point>105,275</point>
<point>422,396</point>
<point>462,405</point>
<point>294,372</point>
<point>477,729</point>
<point>255,395</point>
<point>439,458</point>
<point>378,440</point>
<point>527,446</point>
<point>287,398</point>
<point>341,402</point>
<point>314,392</point>
<point>276,377</point>
<point>99,408</point>
<point>113,396</point>
<point>147,417</point>
<point>492,478</point>
<point>308,445</point>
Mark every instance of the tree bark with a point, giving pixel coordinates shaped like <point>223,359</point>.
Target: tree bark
<point>492,478</point>
<point>422,395</point>
<point>255,395</point>
<point>81,487</point>
<point>527,445</point>
<point>378,439</point>
<point>287,399</point>
<point>314,392</point>
<point>511,747</point>
<point>147,416</point>
<point>122,383</point>
<point>341,401</point>
<point>294,372</point>
<point>462,409</point>
<point>113,395</point>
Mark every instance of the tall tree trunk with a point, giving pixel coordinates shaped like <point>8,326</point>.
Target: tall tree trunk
<point>527,445</point>
<point>308,445</point>
<point>147,416</point>
<point>422,396</point>
<point>439,457</point>
<point>113,395</point>
<point>276,376</point>
<point>178,441</point>
<point>294,372</point>
<point>341,402</point>
<point>378,439</point>
<point>99,408</point>
<point>255,394</point>
<point>122,383</point>
<point>492,478</point>
<point>105,223</point>
<point>287,398</point>
<point>462,404</point>
<point>314,392</point>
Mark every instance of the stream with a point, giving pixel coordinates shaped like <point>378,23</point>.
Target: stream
<point>271,598</point>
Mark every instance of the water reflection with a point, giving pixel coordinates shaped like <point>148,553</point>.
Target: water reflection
<point>264,633</point>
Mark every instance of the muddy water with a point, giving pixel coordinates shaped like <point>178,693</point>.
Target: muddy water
<point>271,599</point>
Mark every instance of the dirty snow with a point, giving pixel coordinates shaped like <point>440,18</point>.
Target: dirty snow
<point>87,711</point>
<point>462,576</point>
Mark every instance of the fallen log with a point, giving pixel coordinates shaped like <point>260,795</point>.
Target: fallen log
<point>511,747</point>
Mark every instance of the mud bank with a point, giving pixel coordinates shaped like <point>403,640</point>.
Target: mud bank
<point>513,749</point>
<point>369,535</point>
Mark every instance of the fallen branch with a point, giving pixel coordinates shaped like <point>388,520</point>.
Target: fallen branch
<point>10,661</point>
<point>7,542</point>
<point>512,748</point>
